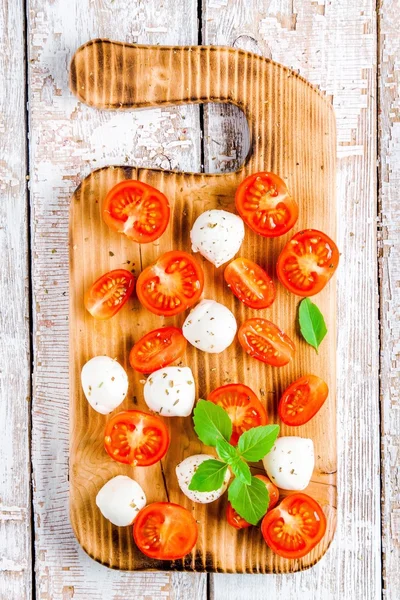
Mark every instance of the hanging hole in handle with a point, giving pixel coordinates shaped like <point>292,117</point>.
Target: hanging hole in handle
<point>226,141</point>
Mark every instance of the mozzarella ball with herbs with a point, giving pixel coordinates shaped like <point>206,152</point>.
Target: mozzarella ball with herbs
<point>210,327</point>
<point>120,500</point>
<point>290,463</point>
<point>185,471</point>
<point>217,235</point>
<point>171,391</point>
<point>105,383</point>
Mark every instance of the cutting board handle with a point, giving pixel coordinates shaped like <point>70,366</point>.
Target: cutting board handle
<point>115,75</point>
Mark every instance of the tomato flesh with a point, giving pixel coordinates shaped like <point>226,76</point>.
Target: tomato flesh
<point>265,205</point>
<point>165,531</point>
<point>264,341</point>
<point>171,285</point>
<point>157,349</point>
<point>137,210</point>
<point>108,293</point>
<point>243,407</point>
<point>136,438</point>
<point>250,283</point>
<point>302,400</point>
<point>236,520</point>
<point>307,262</point>
<point>295,527</point>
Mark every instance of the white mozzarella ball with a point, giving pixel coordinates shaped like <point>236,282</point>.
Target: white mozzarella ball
<point>210,327</point>
<point>185,471</point>
<point>217,235</point>
<point>290,463</point>
<point>171,391</point>
<point>120,500</point>
<point>105,383</point>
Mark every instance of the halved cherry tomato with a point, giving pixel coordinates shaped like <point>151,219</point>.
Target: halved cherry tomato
<point>250,283</point>
<point>243,407</point>
<point>157,349</point>
<point>165,531</point>
<point>236,520</point>
<point>302,400</point>
<point>109,293</point>
<point>136,209</point>
<point>264,203</point>
<point>136,438</point>
<point>293,528</point>
<point>172,284</point>
<point>307,262</point>
<point>266,342</point>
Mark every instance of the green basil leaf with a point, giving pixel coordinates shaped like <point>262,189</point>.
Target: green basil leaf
<point>250,501</point>
<point>226,451</point>
<point>211,422</point>
<point>312,323</point>
<point>209,476</point>
<point>255,443</point>
<point>241,470</point>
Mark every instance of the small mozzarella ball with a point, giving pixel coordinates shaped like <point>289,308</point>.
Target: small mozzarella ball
<point>120,500</point>
<point>185,471</point>
<point>171,391</point>
<point>210,327</point>
<point>217,235</point>
<point>105,383</point>
<point>290,463</point>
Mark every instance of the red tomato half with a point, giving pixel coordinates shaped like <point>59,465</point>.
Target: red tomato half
<point>236,520</point>
<point>293,528</point>
<point>264,203</point>
<point>172,284</point>
<point>266,342</point>
<point>136,209</point>
<point>136,438</point>
<point>157,349</point>
<point>250,283</point>
<point>243,407</point>
<point>302,400</point>
<point>307,262</point>
<point>109,293</point>
<point>165,531</point>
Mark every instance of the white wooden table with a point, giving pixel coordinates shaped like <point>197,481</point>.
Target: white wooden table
<point>353,54</point>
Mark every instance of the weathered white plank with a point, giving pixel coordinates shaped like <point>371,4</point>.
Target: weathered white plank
<point>15,512</point>
<point>333,44</point>
<point>389,263</point>
<point>68,140</point>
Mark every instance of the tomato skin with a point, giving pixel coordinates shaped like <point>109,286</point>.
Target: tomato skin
<point>307,262</point>
<point>136,209</point>
<point>242,405</point>
<point>104,302</point>
<point>250,283</point>
<point>165,531</point>
<point>136,438</point>
<point>171,285</point>
<point>236,520</point>
<point>261,339</point>
<point>265,205</point>
<point>301,401</point>
<point>157,349</point>
<point>299,537</point>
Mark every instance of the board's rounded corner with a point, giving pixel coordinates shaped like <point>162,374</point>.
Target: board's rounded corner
<point>322,554</point>
<point>82,546</point>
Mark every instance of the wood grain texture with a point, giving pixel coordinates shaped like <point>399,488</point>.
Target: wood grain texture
<point>67,141</point>
<point>333,45</point>
<point>389,271</point>
<point>292,132</point>
<point>15,499</point>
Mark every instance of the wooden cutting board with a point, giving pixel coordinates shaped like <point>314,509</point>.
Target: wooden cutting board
<point>292,129</point>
